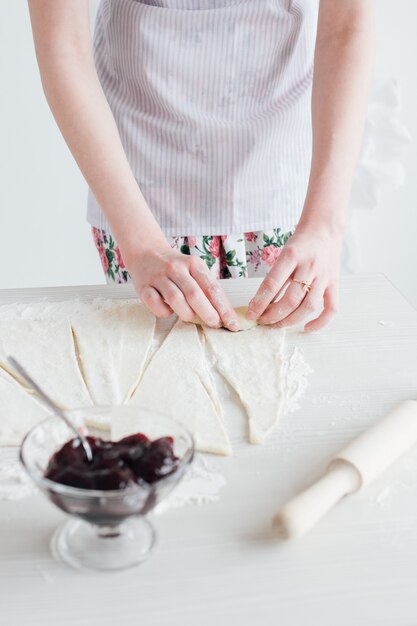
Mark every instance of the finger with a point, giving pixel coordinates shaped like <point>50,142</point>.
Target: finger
<point>312,302</point>
<point>173,296</point>
<point>153,300</point>
<point>331,306</point>
<point>196,298</point>
<point>179,274</point>
<point>286,305</point>
<point>215,294</point>
<point>275,306</point>
<point>272,284</point>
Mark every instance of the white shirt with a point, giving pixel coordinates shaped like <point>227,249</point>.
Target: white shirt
<point>212,99</point>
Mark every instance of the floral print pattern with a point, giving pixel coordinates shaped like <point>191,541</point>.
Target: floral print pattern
<point>219,252</point>
<point>110,257</point>
<point>227,256</point>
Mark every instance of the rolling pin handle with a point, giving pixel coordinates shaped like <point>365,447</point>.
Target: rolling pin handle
<point>299,515</point>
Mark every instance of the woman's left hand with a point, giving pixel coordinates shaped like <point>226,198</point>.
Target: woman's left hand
<point>309,255</point>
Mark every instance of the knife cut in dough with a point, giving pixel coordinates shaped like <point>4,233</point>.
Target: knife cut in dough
<point>178,383</point>
<point>244,323</point>
<point>19,411</point>
<point>45,348</point>
<point>252,364</point>
<point>112,348</point>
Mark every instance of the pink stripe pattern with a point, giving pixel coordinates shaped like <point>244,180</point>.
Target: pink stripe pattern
<point>212,102</point>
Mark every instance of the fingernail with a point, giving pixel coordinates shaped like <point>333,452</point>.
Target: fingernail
<point>214,323</point>
<point>251,315</point>
<point>233,324</point>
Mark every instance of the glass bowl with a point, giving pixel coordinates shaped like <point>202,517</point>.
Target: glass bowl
<point>107,530</point>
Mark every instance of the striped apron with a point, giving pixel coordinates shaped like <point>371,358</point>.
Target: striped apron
<point>212,102</point>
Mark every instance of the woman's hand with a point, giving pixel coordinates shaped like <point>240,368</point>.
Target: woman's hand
<point>343,67</point>
<point>168,281</point>
<point>309,255</point>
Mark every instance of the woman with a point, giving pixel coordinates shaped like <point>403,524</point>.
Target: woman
<point>239,120</point>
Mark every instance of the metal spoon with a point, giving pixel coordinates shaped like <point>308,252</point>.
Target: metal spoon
<point>51,404</point>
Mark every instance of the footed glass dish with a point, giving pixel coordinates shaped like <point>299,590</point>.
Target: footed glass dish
<point>108,529</point>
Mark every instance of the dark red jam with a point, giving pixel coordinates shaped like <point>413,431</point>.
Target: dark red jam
<point>115,464</point>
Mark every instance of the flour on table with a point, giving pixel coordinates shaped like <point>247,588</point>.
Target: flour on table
<point>15,483</point>
<point>293,380</point>
<point>382,498</point>
<point>201,484</point>
<point>112,347</point>
<point>178,383</point>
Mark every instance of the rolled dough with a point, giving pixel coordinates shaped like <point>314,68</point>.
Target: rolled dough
<point>19,411</point>
<point>177,383</point>
<point>244,323</point>
<point>46,349</point>
<point>252,363</point>
<point>112,347</point>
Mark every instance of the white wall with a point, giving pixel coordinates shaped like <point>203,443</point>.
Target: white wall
<point>386,236</point>
<point>45,239</point>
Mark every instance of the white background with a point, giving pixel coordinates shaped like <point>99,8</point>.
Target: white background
<point>45,240</point>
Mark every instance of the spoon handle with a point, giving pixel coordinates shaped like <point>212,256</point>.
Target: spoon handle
<point>50,404</point>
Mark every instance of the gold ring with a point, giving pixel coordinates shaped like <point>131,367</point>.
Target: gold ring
<point>304,284</point>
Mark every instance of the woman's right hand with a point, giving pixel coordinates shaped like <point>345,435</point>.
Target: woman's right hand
<point>165,279</point>
<point>168,281</point>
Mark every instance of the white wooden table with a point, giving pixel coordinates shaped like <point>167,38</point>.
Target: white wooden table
<point>217,562</point>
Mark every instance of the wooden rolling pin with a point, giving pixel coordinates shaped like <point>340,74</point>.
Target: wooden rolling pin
<point>355,467</point>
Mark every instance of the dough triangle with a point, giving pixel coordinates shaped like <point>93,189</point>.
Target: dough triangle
<point>19,412</point>
<point>244,323</point>
<point>177,383</point>
<point>252,362</point>
<point>46,350</point>
<point>112,347</point>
